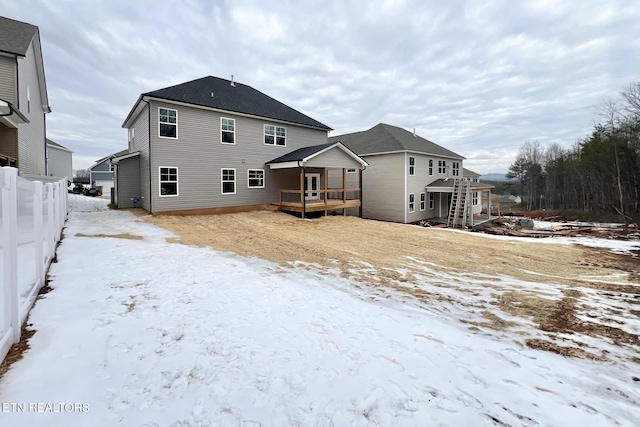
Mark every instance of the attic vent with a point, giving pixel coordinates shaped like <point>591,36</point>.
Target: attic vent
<point>232,83</point>
<point>414,131</point>
<point>212,94</point>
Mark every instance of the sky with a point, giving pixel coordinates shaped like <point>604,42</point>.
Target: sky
<point>477,77</point>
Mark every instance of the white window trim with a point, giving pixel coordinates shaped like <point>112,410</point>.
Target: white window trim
<point>160,182</point>
<point>264,133</point>
<point>430,167</point>
<point>432,201</point>
<point>235,181</point>
<point>412,168</point>
<point>352,170</point>
<point>455,168</point>
<point>159,123</point>
<point>423,202</point>
<point>234,131</point>
<point>248,180</point>
<point>412,209</point>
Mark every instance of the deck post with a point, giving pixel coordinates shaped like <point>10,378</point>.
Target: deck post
<point>302,192</point>
<point>344,190</point>
<point>489,206</point>
<point>326,184</point>
<point>360,187</point>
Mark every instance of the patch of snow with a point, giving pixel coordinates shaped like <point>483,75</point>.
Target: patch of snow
<point>153,333</point>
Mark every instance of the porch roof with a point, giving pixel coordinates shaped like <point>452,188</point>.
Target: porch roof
<point>446,186</point>
<point>10,115</point>
<point>299,157</point>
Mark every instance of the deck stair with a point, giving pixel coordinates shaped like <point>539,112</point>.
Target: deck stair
<point>459,208</point>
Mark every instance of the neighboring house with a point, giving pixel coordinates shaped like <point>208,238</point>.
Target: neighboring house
<point>409,178</point>
<point>101,173</point>
<point>214,145</point>
<point>23,99</point>
<point>59,160</point>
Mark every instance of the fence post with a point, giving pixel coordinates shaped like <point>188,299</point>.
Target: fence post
<point>38,237</point>
<point>50,231</point>
<point>10,249</point>
<point>60,206</point>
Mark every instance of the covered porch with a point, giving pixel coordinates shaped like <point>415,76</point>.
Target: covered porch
<point>10,118</point>
<point>328,178</point>
<point>443,190</point>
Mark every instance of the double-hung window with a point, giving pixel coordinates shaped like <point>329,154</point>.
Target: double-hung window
<point>228,131</point>
<point>412,202</point>
<point>456,169</point>
<point>432,200</point>
<point>228,181</point>
<point>167,123</point>
<point>275,135</point>
<point>442,166</point>
<point>168,181</point>
<point>475,198</point>
<point>412,165</point>
<point>255,178</point>
<point>423,201</point>
<point>430,166</point>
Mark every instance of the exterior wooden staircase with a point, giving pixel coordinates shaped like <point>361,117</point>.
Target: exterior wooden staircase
<point>459,209</point>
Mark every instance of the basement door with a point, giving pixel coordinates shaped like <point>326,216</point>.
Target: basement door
<point>312,182</point>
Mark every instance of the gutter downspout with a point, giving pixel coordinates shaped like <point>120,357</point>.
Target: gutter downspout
<point>304,193</point>
<point>150,172</point>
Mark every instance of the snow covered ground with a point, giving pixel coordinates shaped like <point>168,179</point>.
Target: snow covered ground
<point>141,332</point>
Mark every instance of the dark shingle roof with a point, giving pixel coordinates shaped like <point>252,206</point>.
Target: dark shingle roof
<point>15,36</point>
<point>118,154</point>
<point>301,153</point>
<point>384,138</point>
<point>449,183</point>
<point>469,172</point>
<point>239,98</point>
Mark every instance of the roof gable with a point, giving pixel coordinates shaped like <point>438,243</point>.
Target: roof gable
<point>16,36</point>
<point>223,94</point>
<point>384,138</point>
<point>304,154</point>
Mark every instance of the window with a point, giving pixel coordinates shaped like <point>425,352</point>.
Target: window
<point>228,130</point>
<point>110,167</point>
<point>430,166</point>
<point>412,202</point>
<point>167,123</point>
<point>475,198</point>
<point>274,135</point>
<point>442,166</point>
<point>456,169</point>
<point>168,182</point>
<point>351,170</point>
<point>423,201</point>
<point>432,200</point>
<point>412,164</point>
<point>28,100</point>
<point>255,178</point>
<point>228,183</point>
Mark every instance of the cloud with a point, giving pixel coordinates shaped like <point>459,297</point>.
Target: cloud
<point>479,78</point>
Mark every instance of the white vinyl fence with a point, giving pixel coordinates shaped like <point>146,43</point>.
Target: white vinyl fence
<point>32,215</point>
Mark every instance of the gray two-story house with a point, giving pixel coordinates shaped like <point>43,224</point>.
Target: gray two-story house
<point>409,178</point>
<point>23,99</point>
<point>213,145</point>
<point>101,173</point>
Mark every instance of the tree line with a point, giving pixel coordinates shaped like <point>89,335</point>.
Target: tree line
<point>599,174</point>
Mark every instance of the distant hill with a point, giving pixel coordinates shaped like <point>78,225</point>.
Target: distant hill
<point>494,177</point>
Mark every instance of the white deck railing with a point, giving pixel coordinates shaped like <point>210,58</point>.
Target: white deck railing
<point>32,215</point>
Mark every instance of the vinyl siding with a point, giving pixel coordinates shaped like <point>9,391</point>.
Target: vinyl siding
<point>421,178</point>
<point>336,158</point>
<point>383,195</point>
<point>141,143</point>
<point>59,163</point>
<point>101,172</point>
<point>8,79</point>
<point>199,156</point>
<point>128,181</point>
<point>31,136</point>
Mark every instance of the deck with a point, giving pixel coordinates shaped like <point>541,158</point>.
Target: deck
<point>319,200</point>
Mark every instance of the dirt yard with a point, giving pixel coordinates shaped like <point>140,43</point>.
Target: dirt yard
<point>485,282</point>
